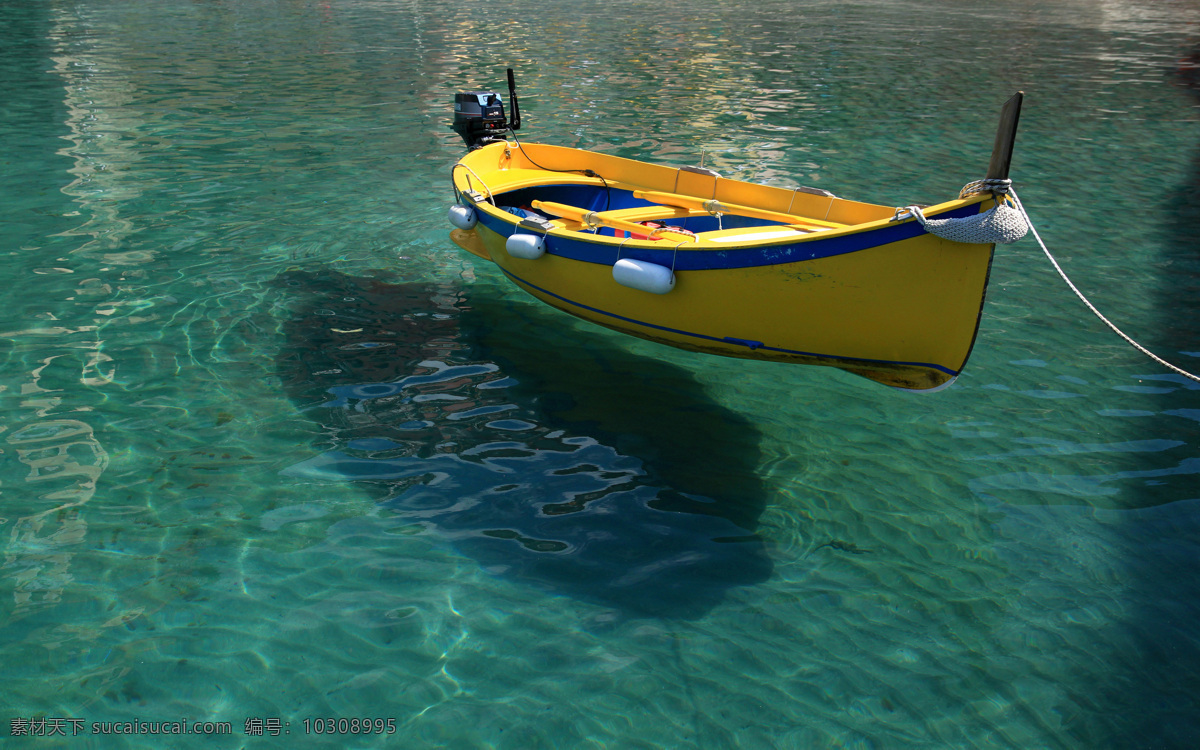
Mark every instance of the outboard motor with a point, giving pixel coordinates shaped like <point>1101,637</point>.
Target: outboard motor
<point>479,115</point>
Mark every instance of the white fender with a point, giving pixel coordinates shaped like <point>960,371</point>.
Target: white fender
<point>462,216</point>
<point>527,246</point>
<point>648,277</point>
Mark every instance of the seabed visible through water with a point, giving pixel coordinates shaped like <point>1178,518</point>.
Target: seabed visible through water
<point>275,453</point>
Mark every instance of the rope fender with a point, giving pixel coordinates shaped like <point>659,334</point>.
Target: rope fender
<point>1002,224</point>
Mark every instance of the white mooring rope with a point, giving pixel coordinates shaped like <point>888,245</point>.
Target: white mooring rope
<point>1092,307</point>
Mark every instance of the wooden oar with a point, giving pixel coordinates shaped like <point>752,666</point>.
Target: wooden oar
<point>718,207</point>
<point>594,218</point>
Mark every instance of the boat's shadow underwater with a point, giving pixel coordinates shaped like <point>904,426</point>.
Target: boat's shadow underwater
<point>540,450</point>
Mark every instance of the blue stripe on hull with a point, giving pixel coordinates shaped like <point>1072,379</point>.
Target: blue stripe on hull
<point>746,343</point>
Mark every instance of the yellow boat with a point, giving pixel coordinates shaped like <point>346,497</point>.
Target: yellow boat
<point>688,258</point>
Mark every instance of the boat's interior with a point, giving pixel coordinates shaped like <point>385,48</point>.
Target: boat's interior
<point>621,199</point>
<point>610,211</point>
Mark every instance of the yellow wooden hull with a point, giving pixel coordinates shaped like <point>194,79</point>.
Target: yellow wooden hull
<point>853,289</point>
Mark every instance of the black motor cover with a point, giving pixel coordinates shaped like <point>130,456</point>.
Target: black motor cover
<point>479,117</point>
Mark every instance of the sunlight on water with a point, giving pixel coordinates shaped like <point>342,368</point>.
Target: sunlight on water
<point>273,450</point>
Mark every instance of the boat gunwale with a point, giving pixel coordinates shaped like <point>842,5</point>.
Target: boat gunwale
<point>688,253</point>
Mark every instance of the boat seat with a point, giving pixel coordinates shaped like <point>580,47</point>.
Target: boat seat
<point>624,220</point>
<point>758,234</point>
<point>650,213</point>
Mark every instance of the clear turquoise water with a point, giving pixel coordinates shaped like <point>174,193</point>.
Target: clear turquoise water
<point>272,447</point>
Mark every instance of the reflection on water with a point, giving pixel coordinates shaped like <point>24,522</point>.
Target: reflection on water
<point>1181,290</point>
<point>558,461</point>
<point>64,460</point>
